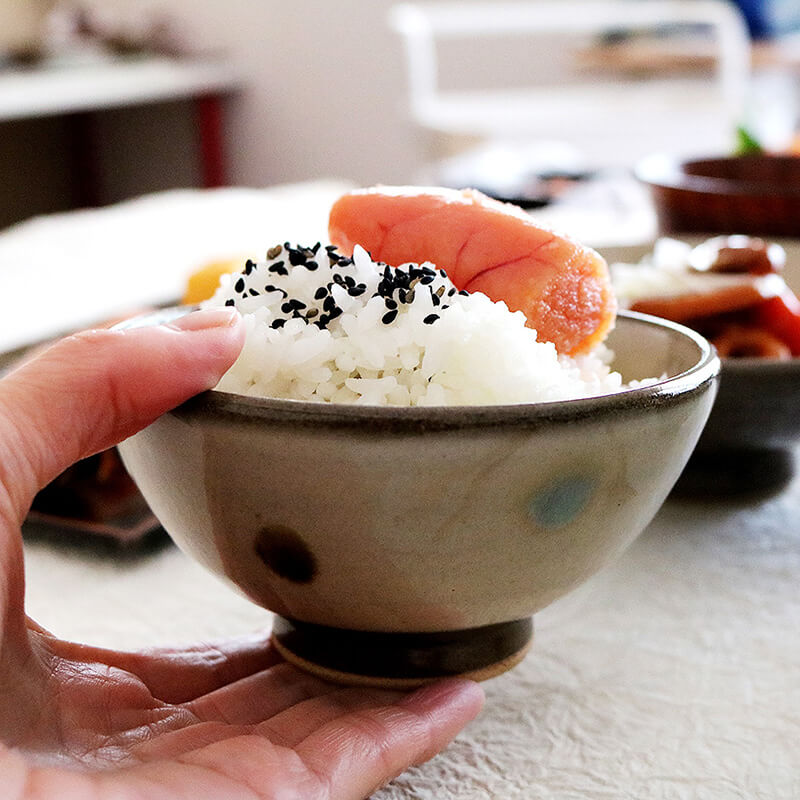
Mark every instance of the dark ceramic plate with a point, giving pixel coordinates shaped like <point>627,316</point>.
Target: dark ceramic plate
<point>748,442</point>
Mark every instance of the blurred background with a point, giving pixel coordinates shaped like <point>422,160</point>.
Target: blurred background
<point>272,92</point>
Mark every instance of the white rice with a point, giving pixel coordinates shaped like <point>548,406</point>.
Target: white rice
<point>338,330</point>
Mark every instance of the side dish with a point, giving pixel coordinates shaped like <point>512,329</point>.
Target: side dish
<point>728,288</point>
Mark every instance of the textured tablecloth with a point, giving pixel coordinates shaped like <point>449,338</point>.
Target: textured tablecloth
<point>673,674</point>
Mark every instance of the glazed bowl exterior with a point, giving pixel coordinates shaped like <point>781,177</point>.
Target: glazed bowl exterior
<point>426,519</point>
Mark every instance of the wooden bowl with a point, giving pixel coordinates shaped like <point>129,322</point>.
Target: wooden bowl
<point>754,194</point>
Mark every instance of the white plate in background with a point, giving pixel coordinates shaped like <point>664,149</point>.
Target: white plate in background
<point>634,253</point>
<point>62,272</point>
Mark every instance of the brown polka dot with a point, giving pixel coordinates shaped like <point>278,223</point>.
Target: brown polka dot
<point>286,554</point>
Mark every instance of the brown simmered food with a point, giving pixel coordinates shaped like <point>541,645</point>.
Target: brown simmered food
<point>95,489</point>
<point>730,289</point>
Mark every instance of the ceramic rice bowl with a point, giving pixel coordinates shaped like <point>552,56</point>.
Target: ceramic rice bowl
<point>398,545</point>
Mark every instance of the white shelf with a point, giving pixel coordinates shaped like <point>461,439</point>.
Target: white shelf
<point>62,89</point>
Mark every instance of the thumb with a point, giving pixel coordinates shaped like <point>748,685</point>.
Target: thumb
<point>96,388</point>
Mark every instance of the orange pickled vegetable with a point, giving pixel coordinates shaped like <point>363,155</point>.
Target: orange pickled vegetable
<point>204,282</point>
<point>780,316</point>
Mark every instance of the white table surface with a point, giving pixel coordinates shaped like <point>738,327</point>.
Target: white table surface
<point>673,674</point>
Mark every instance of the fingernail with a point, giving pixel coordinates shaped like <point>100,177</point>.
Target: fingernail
<point>205,318</point>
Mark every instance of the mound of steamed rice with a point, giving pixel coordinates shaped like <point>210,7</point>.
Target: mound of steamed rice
<point>322,327</point>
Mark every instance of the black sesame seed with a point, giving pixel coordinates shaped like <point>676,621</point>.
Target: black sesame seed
<point>278,323</point>
<point>249,266</point>
<point>328,303</point>
<point>229,302</point>
<point>464,293</point>
<point>435,300</point>
<point>430,319</point>
<point>278,268</point>
<point>287,307</point>
<point>296,257</point>
<point>357,291</point>
<point>254,293</point>
<point>390,304</point>
<point>320,293</point>
<point>239,285</point>
<point>389,317</point>
<point>311,265</point>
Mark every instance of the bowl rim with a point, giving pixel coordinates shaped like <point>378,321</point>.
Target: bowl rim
<point>663,171</point>
<point>220,406</point>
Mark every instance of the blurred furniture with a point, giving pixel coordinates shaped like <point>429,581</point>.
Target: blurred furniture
<point>772,103</point>
<point>664,56</point>
<point>613,118</point>
<point>80,91</point>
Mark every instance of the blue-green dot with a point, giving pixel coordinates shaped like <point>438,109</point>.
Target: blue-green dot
<point>560,501</point>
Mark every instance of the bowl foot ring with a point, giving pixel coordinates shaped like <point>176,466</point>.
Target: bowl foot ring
<point>401,660</point>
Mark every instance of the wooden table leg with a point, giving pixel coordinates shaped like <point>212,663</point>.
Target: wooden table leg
<point>209,114</point>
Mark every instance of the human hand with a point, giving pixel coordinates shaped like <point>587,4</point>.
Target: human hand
<point>224,721</point>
